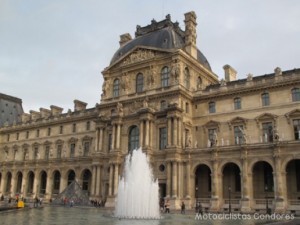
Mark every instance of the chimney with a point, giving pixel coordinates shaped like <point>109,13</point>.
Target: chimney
<point>190,33</point>
<point>55,110</point>
<point>79,105</point>
<point>230,73</point>
<point>34,115</point>
<point>124,38</point>
<point>45,113</point>
<point>25,117</point>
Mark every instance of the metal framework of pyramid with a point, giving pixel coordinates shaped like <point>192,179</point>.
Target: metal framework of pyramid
<point>73,193</point>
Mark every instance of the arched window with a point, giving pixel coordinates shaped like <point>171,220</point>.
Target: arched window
<point>165,76</point>
<point>71,177</point>
<point>116,88</point>
<point>265,99</point>
<point>139,82</point>
<point>187,78</point>
<point>56,182</point>
<point>296,94</point>
<point>237,103</point>
<point>133,142</point>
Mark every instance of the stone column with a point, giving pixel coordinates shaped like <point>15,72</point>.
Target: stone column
<point>216,187</point>
<point>142,133</point>
<point>93,185</point>
<point>116,179</point>
<point>245,201</point>
<point>147,136</point>
<point>118,136</point>
<point>111,173</point>
<point>179,179</point>
<point>188,180</point>
<point>49,185</point>
<point>63,183</point>
<point>24,184</point>
<point>279,200</point>
<point>174,179</point>
<point>100,143</point>
<point>98,169</point>
<point>13,183</point>
<point>168,180</point>
<point>179,132</point>
<point>113,137</point>
<point>97,139</point>
<point>169,131</point>
<point>175,131</point>
<point>36,185</point>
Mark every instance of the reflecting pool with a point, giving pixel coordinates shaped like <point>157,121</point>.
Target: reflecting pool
<point>94,216</point>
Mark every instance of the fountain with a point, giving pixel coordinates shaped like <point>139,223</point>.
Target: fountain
<point>137,192</point>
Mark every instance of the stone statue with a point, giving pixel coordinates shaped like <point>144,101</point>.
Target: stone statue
<point>145,103</point>
<point>249,77</point>
<point>278,71</point>
<point>214,139</point>
<point>189,141</point>
<point>199,83</point>
<point>276,134</point>
<point>6,156</point>
<point>223,82</point>
<point>119,108</point>
<point>244,138</point>
<point>175,72</point>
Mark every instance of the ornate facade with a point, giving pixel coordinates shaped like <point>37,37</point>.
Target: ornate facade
<point>221,142</point>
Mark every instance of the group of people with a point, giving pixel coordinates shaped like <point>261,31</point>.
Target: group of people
<point>165,207</point>
<point>37,202</point>
<point>98,203</point>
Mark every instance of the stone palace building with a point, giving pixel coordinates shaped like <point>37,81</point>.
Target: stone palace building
<point>223,142</point>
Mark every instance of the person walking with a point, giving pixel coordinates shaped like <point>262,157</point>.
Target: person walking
<point>167,206</point>
<point>182,208</point>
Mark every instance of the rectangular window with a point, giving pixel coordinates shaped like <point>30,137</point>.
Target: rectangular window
<point>162,138</point>
<point>109,142</point>
<point>8,137</point>
<point>17,138</point>
<point>265,99</point>
<point>88,125</point>
<point>72,150</point>
<point>187,107</point>
<point>238,135</point>
<point>212,107</point>
<point>49,131</point>
<point>59,148</point>
<point>37,133</point>
<point>237,103</point>
<point>267,132</point>
<point>61,129</point>
<point>74,127</point>
<point>86,148</point>
<point>296,124</point>
<point>25,154</point>
<point>27,134</point>
<point>47,152</point>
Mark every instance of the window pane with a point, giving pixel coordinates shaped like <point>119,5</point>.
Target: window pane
<point>139,82</point>
<point>165,74</point>
<point>267,132</point>
<point>265,99</point>
<point>296,94</point>
<point>212,107</point>
<point>237,103</point>
<point>162,138</point>
<point>134,142</point>
<point>296,124</point>
<point>116,88</point>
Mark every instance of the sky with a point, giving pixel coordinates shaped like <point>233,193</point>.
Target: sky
<point>53,51</point>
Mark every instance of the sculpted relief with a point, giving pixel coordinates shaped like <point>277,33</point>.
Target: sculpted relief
<point>138,56</point>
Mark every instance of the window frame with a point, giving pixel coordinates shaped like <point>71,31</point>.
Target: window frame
<point>139,85</point>
<point>116,88</point>
<point>237,103</point>
<point>265,99</point>
<point>165,76</point>
<point>212,107</point>
<point>295,94</point>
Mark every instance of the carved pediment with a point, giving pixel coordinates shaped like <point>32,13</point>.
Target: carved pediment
<point>212,124</point>
<point>293,114</point>
<point>237,120</point>
<point>266,116</point>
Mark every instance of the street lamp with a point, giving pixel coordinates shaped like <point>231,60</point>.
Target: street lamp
<point>267,203</point>
<point>229,194</point>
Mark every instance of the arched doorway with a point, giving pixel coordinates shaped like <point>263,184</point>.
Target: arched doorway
<point>134,138</point>
<point>19,182</point>
<point>43,183</point>
<point>71,177</point>
<point>231,186</point>
<point>263,181</point>
<point>56,182</point>
<point>203,182</point>
<point>30,182</point>
<point>293,180</point>
<point>86,180</point>
<point>8,183</point>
